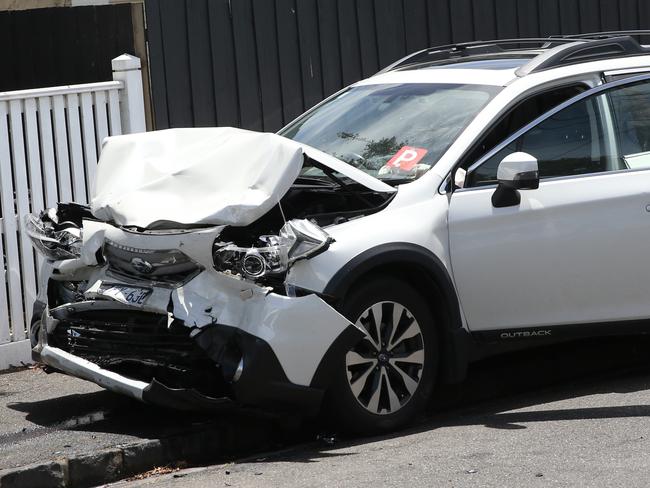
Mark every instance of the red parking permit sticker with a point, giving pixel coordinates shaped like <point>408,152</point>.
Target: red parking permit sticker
<point>406,158</point>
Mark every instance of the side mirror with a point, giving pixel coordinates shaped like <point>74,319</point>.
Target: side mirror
<point>517,171</point>
<point>459,178</point>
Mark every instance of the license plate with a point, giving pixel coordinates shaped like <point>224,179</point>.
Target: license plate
<point>130,295</point>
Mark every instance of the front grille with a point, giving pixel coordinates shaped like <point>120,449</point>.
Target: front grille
<point>136,344</point>
<point>110,335</point>
<point>169,266</point>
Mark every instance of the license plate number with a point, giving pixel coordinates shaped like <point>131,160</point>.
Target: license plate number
<point>130,295</point>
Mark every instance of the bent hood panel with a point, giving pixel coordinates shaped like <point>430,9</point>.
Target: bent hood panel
<point>211,176</point>
<point>217,176</point>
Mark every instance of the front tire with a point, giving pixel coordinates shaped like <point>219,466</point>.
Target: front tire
<point>386,379</point>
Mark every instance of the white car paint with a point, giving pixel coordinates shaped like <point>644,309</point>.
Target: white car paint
<point>420,213</point>
<point>574,251</point>
<point>193,176</point>
<point>415,215</point>
<point>497,77</point>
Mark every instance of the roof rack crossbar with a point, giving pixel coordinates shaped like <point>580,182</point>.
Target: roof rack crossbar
<point>593,50</point>
<point>496,46</point>
<point>450,51</point>
<point>606,34</point>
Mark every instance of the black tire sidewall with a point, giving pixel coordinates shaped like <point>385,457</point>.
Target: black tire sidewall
<point>343,408</point>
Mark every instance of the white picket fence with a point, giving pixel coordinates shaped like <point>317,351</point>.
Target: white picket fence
<point>50,139</point>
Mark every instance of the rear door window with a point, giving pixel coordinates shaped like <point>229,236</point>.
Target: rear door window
<point>630,108</point>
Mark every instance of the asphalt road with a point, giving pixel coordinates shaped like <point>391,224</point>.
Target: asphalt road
<point>590,427</point>
<point>576,414</point>
<point>594,433</point>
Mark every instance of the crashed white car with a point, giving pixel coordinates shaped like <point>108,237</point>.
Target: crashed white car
<point>469,198</point>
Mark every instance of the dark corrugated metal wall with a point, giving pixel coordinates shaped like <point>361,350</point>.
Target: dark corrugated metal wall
<point>62,46</point>
<point>259,63</point>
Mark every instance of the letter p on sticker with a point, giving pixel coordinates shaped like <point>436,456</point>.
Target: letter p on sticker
<point>406,158</point>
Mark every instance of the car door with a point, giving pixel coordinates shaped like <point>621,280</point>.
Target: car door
<point>577,249</point>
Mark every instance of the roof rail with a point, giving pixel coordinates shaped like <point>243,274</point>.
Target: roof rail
<point>464,49</point>
<point>621,40</point>
<point>606,34</point>
<point>581,52</point>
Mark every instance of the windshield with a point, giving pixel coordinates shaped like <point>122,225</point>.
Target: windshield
<point>391,131</point>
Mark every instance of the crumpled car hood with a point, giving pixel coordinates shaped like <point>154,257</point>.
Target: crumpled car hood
<point>208,176</point>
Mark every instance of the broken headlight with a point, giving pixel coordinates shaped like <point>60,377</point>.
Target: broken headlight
<point>298,239</point>
<point>55,241</point>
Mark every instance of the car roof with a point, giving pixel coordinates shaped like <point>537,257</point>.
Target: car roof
<point>490,63</point>
<point>466,76</point>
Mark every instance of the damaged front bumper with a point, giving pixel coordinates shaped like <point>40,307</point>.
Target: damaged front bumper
<point>284,361</point>
<point>210,341</point>
<point>153,392</point>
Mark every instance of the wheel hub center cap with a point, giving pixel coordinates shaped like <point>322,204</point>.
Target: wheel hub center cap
<point>383,358</point>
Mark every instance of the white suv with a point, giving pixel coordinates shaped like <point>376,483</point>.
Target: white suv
<point>467,199</point>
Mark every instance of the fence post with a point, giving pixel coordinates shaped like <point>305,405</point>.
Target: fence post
<point>126,68</point>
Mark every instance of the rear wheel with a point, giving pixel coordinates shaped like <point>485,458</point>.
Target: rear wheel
<point>385,380</point>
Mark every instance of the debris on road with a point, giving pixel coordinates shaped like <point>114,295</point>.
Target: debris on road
<point>159,471</point>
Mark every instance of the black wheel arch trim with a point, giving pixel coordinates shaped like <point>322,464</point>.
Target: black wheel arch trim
<point>456,341</point>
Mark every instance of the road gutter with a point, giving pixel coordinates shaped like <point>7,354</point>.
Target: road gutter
<point>210,444</point>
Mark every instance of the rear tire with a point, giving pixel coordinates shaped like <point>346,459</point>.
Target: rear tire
<point>386,380</point>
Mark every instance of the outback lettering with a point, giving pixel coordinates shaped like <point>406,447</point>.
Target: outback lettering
<point>525,334</point>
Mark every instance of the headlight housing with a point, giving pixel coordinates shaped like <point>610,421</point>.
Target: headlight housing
<point>55,244</point>
<point>298,239</point>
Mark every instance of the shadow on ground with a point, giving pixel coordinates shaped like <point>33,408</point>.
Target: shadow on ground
<point>492,390</point>
<point>107,412</point>
<point>497,386</point>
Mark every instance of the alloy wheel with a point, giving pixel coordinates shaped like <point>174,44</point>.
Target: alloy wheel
<point>385,368</point>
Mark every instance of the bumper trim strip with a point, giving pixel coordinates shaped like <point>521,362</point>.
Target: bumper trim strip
<point>76,366</point>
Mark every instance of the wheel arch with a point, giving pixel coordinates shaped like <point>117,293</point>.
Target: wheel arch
<point>424,271</point>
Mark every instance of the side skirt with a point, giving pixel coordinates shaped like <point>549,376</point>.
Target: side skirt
<point>496,341</point>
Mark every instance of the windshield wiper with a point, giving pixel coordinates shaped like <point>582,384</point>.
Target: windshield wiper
<point>397,181</point>
<point>316,181</point>
<point>330,173</point>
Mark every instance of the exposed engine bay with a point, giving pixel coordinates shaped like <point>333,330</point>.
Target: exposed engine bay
<point>305,209</point>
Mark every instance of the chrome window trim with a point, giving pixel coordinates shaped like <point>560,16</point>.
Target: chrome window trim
<point>558,178</point>
<point>625,71</point>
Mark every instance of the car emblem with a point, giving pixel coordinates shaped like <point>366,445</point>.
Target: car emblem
<point>141,266</point>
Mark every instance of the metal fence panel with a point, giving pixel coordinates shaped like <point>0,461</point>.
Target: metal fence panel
<point>318,46</point>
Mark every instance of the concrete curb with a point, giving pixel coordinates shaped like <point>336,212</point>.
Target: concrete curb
<point>211,443</point>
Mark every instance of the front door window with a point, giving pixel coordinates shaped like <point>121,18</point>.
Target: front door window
<point>574,141</point>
